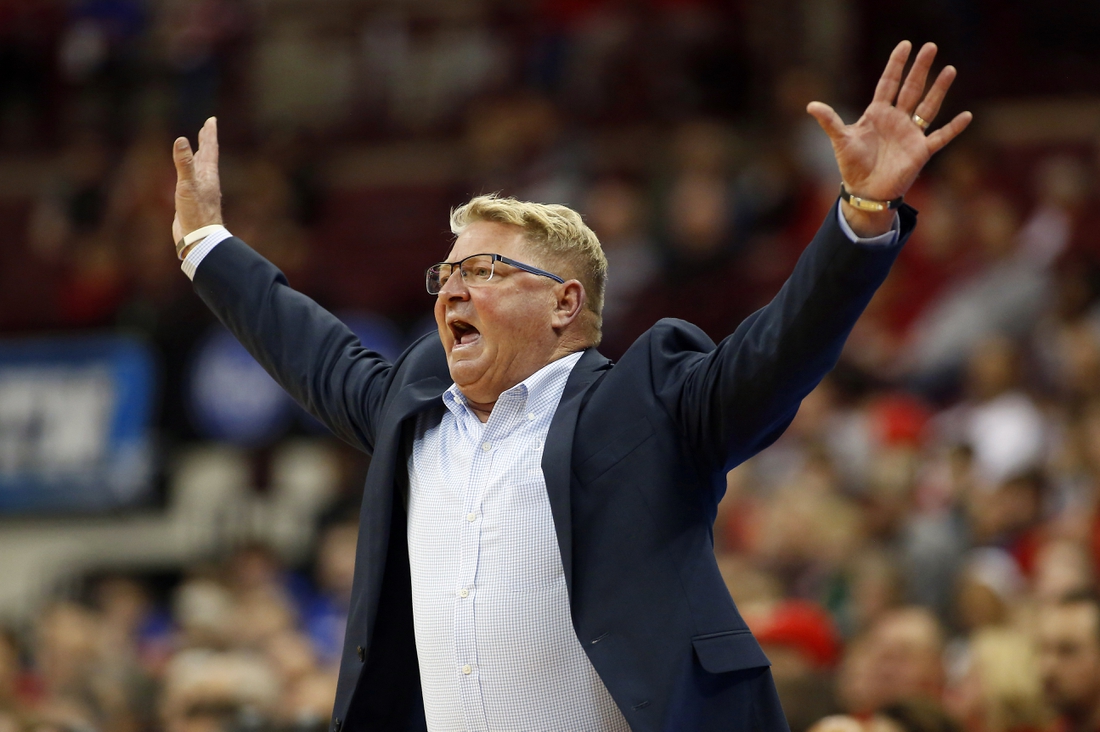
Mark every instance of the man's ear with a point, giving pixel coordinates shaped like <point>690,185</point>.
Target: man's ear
<point>570,302</point>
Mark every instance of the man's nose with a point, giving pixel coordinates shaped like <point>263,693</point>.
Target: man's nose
<point>454,288</point>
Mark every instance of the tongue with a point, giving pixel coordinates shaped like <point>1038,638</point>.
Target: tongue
<point>469,337</point>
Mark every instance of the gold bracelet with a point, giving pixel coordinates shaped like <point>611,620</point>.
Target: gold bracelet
<point>195,236</point>
<point>868,204</point>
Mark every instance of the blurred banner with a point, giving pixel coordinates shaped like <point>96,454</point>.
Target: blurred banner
<point>230,398</point>
<point>75,424</point>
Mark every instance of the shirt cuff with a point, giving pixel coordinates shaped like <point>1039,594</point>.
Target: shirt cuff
<point>882,240</point>
<point>199,251</point>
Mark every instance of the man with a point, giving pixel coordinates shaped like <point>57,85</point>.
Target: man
<point>900,657</point>
<point>1069,660</point>
<point>535,547</point>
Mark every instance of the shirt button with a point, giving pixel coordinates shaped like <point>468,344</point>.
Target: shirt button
<point>487,447</point>
<point>463,592</point>
<point>471,517</point>
<point>530,416</point>
<point>466,669</point>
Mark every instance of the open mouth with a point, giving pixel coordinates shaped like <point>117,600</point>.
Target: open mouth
<point>464,333</point>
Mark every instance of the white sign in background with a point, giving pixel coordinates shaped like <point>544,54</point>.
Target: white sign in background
<point>55,421</point>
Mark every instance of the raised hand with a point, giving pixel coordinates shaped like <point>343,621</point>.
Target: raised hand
<point>881,154</point>
<point>198,186</point>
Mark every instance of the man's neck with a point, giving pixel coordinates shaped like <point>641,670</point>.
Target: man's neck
<point>483,410</point>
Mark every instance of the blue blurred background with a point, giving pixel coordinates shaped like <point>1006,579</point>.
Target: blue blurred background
<point>176,536</point>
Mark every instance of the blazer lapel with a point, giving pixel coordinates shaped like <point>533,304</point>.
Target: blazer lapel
<point>392,448</point>
<point>388,478</point>
<point>558,452</point>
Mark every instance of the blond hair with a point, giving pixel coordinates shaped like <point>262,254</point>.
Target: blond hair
<point>1011,687</point>
<point>556,232</point>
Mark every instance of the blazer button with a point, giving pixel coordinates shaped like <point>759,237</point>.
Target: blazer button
<point>336,725</point>
<point>361,653</point>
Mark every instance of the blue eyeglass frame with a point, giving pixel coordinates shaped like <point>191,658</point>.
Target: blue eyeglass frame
<point>495,258</point>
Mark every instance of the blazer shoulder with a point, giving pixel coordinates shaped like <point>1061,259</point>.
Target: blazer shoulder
<point>668,340</point>
<point>423,359</point>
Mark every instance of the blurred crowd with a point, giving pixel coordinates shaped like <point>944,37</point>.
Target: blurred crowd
<point>242,644</point>
<point>919,551</point>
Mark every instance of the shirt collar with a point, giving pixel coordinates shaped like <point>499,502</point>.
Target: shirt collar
<point>549,378</point>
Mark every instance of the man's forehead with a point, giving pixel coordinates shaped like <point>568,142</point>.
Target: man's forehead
<point>490,237</point>
<point>1079,620</point>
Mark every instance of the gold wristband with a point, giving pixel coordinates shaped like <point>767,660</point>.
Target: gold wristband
<point>194,236</point>
<point>868,204</point>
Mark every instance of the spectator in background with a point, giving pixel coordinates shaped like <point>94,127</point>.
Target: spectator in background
<point>999,689</point>
<point>1069,660</point>
<point>325,616</point>
<point>1004,294</point>
<point>264,197</point>
<point>803,645</point>
<point>416,73</point>
<point>67,230</point>
<point>307,690</point>
<point>517,142</point>
<point>136,193</point>
<point>263,607</point>
<point>998,419</point>
<point>875,586</point>
<point>900,657</point>
<point>1062,567</point>
<point>616,210</point>
<point>208,690</point>
<point>937,536</point>
<point>990,588</point>
<point>1062,190</point>
<point>203,610</point>
<point>134,641</point>
<point>66,660</point>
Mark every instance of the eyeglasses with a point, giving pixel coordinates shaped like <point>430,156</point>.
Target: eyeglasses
<point>476,269</point>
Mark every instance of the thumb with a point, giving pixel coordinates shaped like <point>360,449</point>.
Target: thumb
<point>827,117</point>
<point>184,159</point>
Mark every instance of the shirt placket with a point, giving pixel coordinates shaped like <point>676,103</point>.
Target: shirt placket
<point>466,649</point>
<point>486,441</point>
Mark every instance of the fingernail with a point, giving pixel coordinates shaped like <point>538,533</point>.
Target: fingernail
<point>181,144</point>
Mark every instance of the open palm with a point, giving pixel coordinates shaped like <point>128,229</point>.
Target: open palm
<point>880,155</point>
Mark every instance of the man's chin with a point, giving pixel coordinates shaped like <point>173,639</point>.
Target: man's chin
<point>464,368</point>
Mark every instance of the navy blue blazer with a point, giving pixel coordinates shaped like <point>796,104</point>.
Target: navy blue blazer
<point>635,463</point>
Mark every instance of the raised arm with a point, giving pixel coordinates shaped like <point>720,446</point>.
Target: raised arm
<point>735,400</point>
<point>306,349</point>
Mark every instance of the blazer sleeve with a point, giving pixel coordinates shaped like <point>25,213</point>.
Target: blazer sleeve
<point>734,400</point>
<point>306,349</point>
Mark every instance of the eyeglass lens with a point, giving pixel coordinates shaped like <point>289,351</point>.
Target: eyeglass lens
<point>474,271</point>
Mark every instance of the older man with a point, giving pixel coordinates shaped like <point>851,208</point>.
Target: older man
<point>535,547</point>
<point>1069,660</point>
